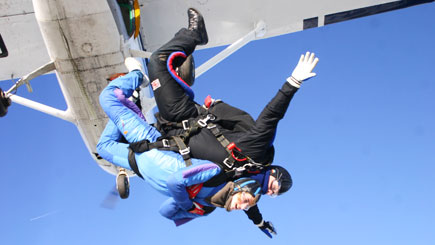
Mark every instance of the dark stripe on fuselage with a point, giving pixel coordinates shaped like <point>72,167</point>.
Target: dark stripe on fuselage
<point>362,12</point>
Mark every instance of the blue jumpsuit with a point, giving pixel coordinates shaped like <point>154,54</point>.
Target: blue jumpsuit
<point>165,171</point>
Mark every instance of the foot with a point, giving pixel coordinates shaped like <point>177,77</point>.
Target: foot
<point>132,64</point>
<point>196,23</point>
<point>5,102</point>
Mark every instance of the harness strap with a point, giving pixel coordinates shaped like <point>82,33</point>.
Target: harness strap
<point>175,143</point>
<point>183,149</point>
<point>229,163</point>
<point>219,136</point>
<point>145,145</point>
<point>233,166</point>
<point>132,162</point>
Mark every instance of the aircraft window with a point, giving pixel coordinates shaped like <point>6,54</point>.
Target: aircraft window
<point>3,49</point>
<point>311,23</point>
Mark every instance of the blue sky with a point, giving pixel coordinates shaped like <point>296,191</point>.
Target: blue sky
<point>358,140</point>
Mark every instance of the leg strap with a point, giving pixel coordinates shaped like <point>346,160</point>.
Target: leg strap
<point>175,144</point>
<point>132,162</point>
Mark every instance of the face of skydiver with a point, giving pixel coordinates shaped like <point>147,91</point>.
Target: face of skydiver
<point>242,200</point>
<point>273,186</point>
<point>280,181</point>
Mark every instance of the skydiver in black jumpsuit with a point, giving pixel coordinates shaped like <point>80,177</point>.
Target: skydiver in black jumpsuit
<point>175,103</point>
<point>174,97</point>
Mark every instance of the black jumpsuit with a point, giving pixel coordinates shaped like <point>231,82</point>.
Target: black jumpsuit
<point>254,138</point>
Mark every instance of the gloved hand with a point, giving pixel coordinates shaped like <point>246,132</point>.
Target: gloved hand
<point>197,209</point>
<point>303,70</point>
<point>267,228</point>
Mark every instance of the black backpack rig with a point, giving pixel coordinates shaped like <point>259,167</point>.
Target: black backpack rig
<point>235,165</point>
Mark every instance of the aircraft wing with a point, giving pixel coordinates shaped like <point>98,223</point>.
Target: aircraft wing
<point>86,43</point>
<point>23,47</point>
<point>228,20</point>
<point>21,44</point>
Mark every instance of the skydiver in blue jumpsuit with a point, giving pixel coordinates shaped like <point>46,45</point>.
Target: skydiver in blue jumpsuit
<point>165,171</point>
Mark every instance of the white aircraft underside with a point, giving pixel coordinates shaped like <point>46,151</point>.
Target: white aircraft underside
<point>86,41</point>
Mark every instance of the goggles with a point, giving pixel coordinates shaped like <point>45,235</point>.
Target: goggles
<point>274,187</point>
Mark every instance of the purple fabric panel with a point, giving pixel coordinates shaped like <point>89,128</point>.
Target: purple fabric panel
<point>198,169</point>
<point>179,222</point>
<point>128,103</point>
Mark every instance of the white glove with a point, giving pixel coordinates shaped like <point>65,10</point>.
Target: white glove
<point>303,70</point>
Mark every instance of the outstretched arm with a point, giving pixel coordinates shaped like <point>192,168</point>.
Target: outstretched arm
<point>256,217</point>
<point>262,135</point>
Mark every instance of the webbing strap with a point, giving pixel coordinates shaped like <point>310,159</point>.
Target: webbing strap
<point>219,136</point>
<point>132,162</point>
<point>232,165</point>
<point>183,150</point>
<point>175,143</point>
<point>145,145</point>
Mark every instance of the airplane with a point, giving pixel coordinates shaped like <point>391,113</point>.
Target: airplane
<point>85,42</point>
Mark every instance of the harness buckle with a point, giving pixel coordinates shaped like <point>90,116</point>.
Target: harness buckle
<point>203,122</point>
<point>211,126</point>
<point>166,143</point>
<point>239,171</point>
<point>253,166</point>
<point>185,151</point>
<point>185,124</point>
<point>228,164</point>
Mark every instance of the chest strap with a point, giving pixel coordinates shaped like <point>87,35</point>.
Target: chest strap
<point>236,163</point>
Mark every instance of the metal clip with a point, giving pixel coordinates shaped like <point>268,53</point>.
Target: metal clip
<point>239,171</point>
<point>211,126</point>
<point>166,143</point>
<point>185,151</point>
<point>185,124</point>
<point>228,164</point>
<point>203,122</point>
<point>253,166</point>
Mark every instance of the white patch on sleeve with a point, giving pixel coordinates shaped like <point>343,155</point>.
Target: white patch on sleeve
<point>155,84</point>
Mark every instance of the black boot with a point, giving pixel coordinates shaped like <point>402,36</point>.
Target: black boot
<point>196,23</point>
<point>5,102</point>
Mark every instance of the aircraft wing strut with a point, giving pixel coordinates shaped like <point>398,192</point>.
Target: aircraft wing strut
<point>258,32</point>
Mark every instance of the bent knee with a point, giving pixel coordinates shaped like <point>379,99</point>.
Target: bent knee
<point>157,59</point>
<point>102,151</point>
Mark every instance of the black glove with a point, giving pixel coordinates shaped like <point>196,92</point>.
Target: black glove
<point>267,228</point>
